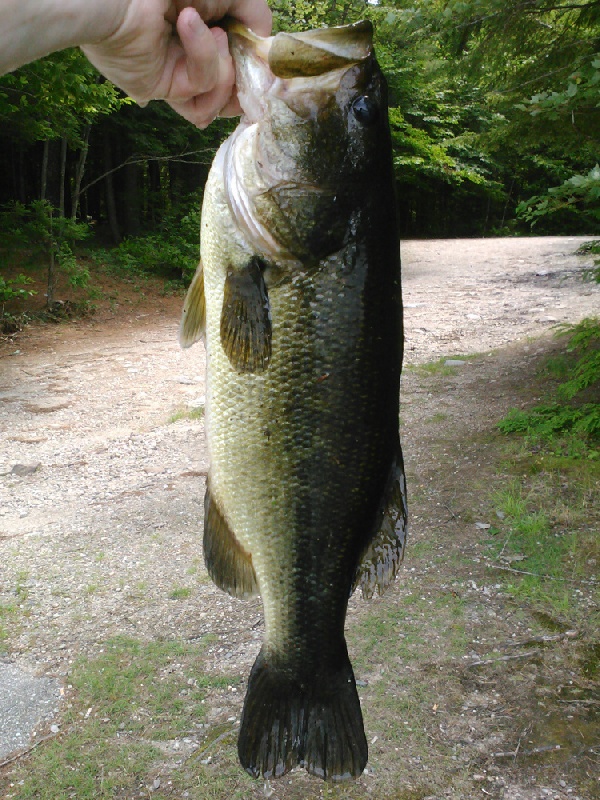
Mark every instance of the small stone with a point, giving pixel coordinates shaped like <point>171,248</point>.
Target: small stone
<point>483,526</point>
<point>454,362</point>
<point>25,469</point>
<point>156,784</point>
<point>54,729</point>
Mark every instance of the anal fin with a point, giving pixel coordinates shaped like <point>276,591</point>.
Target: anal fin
<point>246,318</point>
<point>228,564</point>
<point>193,318</point>
<point>384,554</point>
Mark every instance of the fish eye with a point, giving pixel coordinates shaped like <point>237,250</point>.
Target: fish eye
<point>365,109</point>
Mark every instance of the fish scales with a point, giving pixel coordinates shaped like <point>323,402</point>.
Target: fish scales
<point>302,313</point>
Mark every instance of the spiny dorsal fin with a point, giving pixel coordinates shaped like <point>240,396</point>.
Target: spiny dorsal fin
<point>382,558</point>
<point>193,318</point>
<point>246,318</point>
<point>228,564</point>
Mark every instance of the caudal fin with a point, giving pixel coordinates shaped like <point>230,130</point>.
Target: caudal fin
<point>285,723</point>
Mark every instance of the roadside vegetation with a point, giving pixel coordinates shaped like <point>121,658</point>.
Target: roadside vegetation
<point>494,118</point>
<point>546,537</point>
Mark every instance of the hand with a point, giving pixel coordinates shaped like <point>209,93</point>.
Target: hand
<point>164,50</point>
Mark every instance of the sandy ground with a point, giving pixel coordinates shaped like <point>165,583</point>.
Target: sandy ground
<point>101,495</point>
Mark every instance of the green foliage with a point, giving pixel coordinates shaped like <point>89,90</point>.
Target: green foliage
<point>579,96</point>
<point>579,194</point>
<point>55,97</point>
<point>38,229</point>
<point>13,288</point>
<point>572,425</point>
<point>491,103</point>
<point>592,247</point>
<point>547,421</point>
<point>173,249</point>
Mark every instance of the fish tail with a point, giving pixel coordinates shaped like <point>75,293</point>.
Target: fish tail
<point>286,722</point>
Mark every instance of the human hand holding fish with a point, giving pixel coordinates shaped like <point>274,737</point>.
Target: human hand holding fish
<point>152,49</point>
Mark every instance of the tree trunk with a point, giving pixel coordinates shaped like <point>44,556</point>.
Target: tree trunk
<point>51,267</point>
<point>132,208</point>
<point>111,206</point>
<point>63,172</point>
<point>79,172</point>
<point>44,181</point>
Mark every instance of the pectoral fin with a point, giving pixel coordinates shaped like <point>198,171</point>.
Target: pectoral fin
<point>384,554</point>
<point>193,318</point>
<point>246,318</point>
<point>228,564</point>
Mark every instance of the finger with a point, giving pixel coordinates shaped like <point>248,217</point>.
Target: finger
<point>202,107</point>
<point>198,71</point>
<point>255,14</point>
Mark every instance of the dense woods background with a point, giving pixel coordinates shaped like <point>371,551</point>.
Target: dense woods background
<point>495,114</point>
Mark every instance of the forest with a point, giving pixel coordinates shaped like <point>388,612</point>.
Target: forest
<point>494,111</point>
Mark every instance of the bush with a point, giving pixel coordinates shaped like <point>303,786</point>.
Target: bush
<point>573,416</point>
<point>170,252</point>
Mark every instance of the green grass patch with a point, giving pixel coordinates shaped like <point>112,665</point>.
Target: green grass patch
<point>119,706</point>
<point>437,417</point>
<point>191,413</point>
<point>545,535</point>
<point>439,368</point>
<point>181,593</point>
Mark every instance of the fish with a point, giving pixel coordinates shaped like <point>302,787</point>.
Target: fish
<point>298,299</point>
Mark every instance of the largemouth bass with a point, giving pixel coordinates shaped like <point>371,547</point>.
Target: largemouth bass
<point>298,296</point>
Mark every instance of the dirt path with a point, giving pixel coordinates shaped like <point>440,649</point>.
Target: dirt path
<point>101,496</point>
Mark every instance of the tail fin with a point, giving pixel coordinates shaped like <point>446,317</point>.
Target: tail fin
<point>285,723</point>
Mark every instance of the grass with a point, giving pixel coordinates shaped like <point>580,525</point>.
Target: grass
<point>439,368</point>
<point>551,510</point>
<point>192,413</point>
<point>547,531</point>
<point>11,609</point>
<point>181,593</point>
<point>120,706</point>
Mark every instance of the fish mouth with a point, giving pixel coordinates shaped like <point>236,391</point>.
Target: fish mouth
<point>308,54</point>
<point>320,57</point>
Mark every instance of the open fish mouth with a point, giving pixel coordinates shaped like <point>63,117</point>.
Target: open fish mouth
<point>314,60</point>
